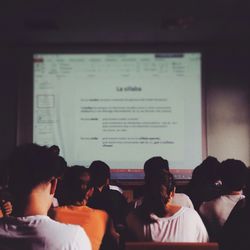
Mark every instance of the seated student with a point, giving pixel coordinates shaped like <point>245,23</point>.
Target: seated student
<point>111,201</point>
<point>32,182</point>
<point>160,221</point>
<point>76,212</point>
<point>235,233</point>
<point>205,184</point>
<point>216,211</point>
<point>153,165</point>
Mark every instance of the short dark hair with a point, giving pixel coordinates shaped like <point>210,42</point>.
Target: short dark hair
<point>73,184</point>
<point>233,175</point>
<point>154,165</point>
<point>99,173</point>
<point>55,149</point>
<point>208,172</point>
<point>30,165</point>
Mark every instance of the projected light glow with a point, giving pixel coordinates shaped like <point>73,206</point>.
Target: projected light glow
<point>120,108</point>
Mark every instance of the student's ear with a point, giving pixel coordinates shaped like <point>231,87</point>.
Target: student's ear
<point>107,182</point>
<point>172,193</point>
<point>89,193</point>
<point>53,186</point>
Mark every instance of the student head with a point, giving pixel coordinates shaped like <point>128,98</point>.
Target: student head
<point>208,172</point>
<point>159,189</point>
<point>55,149</point>
<point>233,175</point>
<point>99,174</point>
<point>155,164</point>
<point>77,184</point>
<point>33,172</point>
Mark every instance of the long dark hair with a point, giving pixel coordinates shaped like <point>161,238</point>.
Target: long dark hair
<point>157,194</point>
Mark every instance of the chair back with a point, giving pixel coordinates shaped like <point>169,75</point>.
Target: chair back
<point>170,246</point>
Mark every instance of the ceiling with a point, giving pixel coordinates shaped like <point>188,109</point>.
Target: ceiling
<point>176,21</point>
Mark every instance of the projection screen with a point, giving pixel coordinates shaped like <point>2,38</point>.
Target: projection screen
<point>121,108</point>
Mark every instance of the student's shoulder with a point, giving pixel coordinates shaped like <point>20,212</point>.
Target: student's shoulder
<point>114,192</point>
<point>57,235</point>
<point>97,213</point>
<point>190,213</point>
<point>52,224</point>
<point>181,195</point>
<point>210,204</point>
<point>68,234</point>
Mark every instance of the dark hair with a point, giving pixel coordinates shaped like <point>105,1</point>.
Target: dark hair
<point>208,172</point>
<point>157,194</point>
<point>55,149</point>
<point>30,165</point>
<point>155,164</point>
<point>234,175</point>
<point>99,173</point>
<point>74,186</point>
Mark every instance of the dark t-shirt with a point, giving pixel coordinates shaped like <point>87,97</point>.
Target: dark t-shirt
<point>235,233</point>
<point>111,201</point>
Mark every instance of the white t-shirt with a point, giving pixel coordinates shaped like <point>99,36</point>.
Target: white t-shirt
<point>113,187</point>
<point>184,226</point>
<point>179,199</point>
<point>216,211</point>
<point>182,200</point>
<point>41,233</point>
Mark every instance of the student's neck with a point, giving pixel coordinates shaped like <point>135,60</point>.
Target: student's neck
<point>32,207</point>
<point>101,188</point>
<point>31,211</point>
<point>235,192</point>
<point>171,209</point>
<point>80,203</point>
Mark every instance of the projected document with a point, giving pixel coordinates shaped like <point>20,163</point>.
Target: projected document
<point>119,108</point>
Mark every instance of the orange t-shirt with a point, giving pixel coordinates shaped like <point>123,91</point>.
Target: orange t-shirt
<point>93,221</point>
